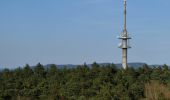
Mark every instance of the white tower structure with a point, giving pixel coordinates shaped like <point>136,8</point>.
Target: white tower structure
<point>124,45</point>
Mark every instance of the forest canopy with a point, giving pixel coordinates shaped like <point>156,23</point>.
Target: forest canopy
<point>98,82</point>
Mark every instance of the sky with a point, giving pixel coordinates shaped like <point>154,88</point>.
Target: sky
<point>78,31</point>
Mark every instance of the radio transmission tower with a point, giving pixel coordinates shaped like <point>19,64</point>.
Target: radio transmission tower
<point>124,45</point>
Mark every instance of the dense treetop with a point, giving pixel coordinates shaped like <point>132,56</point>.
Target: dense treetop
<point>100,82</point>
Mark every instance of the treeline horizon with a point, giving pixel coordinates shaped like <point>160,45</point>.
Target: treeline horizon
<point>100,82</point>
<point>117,65</point>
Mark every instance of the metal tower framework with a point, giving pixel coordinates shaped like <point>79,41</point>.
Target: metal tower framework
<point>124,45</point>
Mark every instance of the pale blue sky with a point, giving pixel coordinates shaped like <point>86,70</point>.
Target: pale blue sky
<point>78,31</point>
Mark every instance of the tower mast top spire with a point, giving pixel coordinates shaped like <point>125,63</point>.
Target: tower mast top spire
<point>124,15</point>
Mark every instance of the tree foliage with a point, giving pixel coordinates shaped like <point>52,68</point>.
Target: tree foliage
<point>98,82</point>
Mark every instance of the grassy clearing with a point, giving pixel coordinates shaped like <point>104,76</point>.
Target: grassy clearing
<point>156,91</point>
